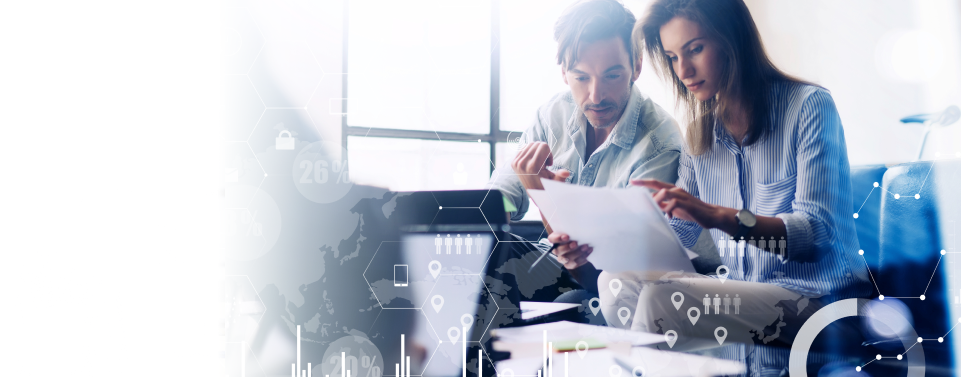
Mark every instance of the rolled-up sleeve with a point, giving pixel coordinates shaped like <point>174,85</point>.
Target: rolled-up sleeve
<point>504,178</point>
<point>822,172</point>
<point>687,231</point>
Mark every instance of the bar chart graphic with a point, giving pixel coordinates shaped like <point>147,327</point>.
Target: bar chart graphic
<point>402,369</point>
<point>351,355</point>
<point>547,350</point>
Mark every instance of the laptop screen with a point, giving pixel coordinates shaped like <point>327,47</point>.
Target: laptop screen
<point>446,279</point>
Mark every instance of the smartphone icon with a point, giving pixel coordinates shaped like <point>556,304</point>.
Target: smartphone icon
<point>400,275</point>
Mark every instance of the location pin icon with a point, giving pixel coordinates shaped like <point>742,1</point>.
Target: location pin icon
<point>434,268</point>
<point>670,337</point>
<point>624,314</point>
<point>615,286</point>
<point>677,299</point>
<point>593,308</point>
<point>453,334</point>
<point>695,315</point>
<point>722,275</point>
<point>581,348</point>
<point>438,302</point>
<point>720,333</point>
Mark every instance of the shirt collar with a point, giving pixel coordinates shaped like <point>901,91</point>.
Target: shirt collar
<point>722,136</point>
<point>719,131</point>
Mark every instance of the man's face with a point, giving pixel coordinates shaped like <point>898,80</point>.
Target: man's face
<point>601,80</point>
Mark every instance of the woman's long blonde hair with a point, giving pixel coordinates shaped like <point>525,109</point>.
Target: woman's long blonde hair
<point>747,73</point>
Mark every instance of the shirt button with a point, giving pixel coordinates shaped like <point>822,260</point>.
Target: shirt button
<point>590,165</point>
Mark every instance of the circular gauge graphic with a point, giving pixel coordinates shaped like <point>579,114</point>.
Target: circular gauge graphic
<point>351,355</point>
<point>853,307</point>
<point>320,172</point>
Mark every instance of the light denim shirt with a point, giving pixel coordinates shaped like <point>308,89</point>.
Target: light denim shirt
<point>797,172</point>
<point>645,143</point>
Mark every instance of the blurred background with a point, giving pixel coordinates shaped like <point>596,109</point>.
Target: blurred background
<point>130,126</point>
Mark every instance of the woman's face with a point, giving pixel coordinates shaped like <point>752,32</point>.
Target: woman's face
<point>694,56</point>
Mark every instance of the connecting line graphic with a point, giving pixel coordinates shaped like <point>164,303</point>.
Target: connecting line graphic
<point>876,185</point>
<point>247,143</point>
<point>861,253</point>
<point>901,355</point>
<point>896,196</point>
<point>874,281</point>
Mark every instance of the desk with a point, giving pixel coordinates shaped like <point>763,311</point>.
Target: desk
<point>625,353</point>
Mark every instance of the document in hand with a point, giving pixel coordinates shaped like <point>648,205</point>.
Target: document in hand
<point>624,225</point>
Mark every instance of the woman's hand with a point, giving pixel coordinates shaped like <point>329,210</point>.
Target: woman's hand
<point>676,202</point>
<point>568,252</point>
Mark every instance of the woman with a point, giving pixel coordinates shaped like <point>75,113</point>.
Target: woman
<point>765,157</point>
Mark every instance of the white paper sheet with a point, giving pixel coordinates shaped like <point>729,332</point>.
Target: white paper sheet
<point>626,228</point>
<point>566,330</point>
<point>534,309</point>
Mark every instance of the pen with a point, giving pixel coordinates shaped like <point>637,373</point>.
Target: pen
<point>554,246</point>
<point>626,365</point>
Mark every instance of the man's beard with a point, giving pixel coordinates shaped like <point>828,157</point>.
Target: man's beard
<point>617,108</point>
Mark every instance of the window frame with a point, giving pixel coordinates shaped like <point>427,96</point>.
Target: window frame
<point>492,137</point>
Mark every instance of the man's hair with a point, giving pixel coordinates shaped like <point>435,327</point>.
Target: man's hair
<point>589,21</point>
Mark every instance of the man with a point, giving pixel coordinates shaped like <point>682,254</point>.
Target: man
<point>603,132</point>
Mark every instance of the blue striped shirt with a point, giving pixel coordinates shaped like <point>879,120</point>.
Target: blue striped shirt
<point>797,172</point>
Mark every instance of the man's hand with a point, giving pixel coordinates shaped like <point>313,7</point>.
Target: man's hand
<point>531,164</point>
<point>569,252</point>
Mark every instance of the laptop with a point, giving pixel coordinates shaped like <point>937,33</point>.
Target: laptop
<point>446,262</point>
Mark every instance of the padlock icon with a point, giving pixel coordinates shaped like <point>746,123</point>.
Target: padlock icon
<point>285,143</point>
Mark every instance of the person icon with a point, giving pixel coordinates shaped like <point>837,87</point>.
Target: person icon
<point>467,242</point>
<point>707,305</point>
<point>458,242</point>
<point>752,242</point>
<point>782,244</point>
<point>740,247</point>
<point>727,304</point>
<point>732,245</point>
<point>447,242</point>
<point>438,242</point>
<point>477,242</point>
<point>737,304</point>
<point>720,246</point>
<point>762,244</point>
<point>717,304</point>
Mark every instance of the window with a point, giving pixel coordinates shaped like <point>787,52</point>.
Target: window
<point>416,164</point>
<point>529,72</point>
<point>420,111</point>
<point>419,65</point>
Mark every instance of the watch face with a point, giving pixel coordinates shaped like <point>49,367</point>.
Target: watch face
<point>746,218</point>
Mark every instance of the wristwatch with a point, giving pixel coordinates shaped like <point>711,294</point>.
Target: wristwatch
<point>745,222</point>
